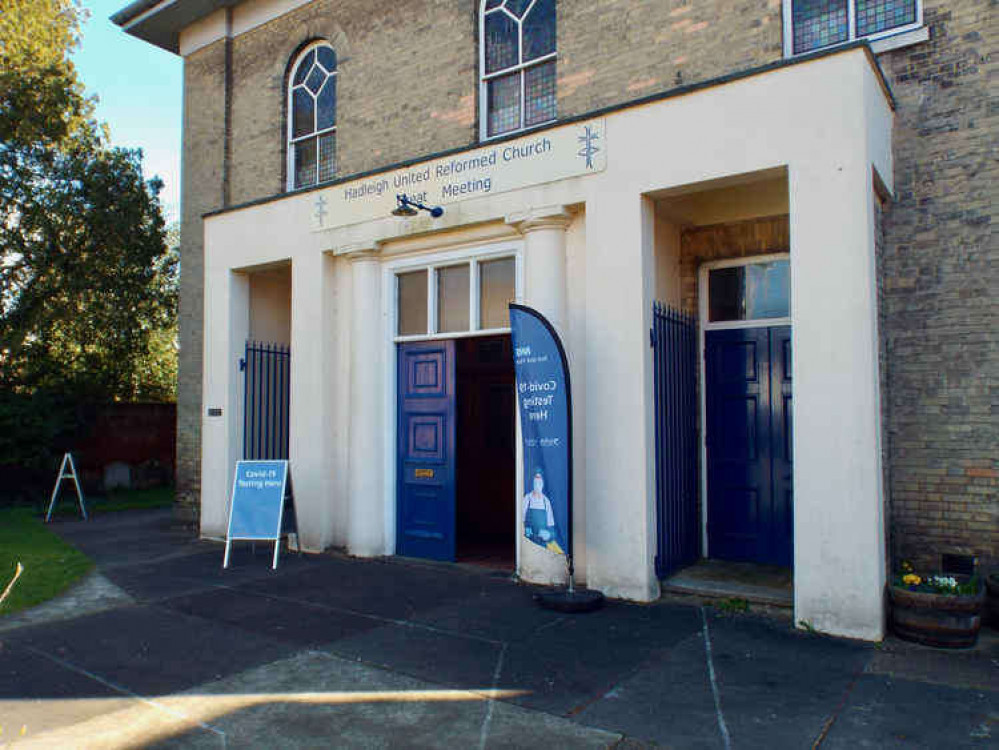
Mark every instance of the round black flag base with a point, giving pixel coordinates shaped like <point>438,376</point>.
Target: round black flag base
<point>576,601</point>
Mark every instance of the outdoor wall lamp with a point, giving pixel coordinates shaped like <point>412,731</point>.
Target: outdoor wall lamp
<point>407,207</point>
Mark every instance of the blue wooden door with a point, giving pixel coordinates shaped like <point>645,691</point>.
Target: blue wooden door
<point>748,390</point>
<point>425,525</point>
<point>781,525</point>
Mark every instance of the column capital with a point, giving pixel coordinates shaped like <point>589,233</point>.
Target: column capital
<point>360,251</point>
<point>546,217</point>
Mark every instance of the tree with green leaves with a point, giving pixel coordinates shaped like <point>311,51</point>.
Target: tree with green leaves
<point>87,283</point>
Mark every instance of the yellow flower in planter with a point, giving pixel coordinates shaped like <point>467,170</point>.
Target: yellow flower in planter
<point>911,579</point>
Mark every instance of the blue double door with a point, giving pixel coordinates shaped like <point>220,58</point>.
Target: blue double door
<point>455,452</point>
<point>426,433</point>
<point>748,440</point>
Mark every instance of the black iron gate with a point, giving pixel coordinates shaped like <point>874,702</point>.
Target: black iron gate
<point>674,344</point>
<point>267,391</point>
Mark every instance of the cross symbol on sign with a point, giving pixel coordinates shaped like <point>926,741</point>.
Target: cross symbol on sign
<point>589,149</point>
<point>320,212</point>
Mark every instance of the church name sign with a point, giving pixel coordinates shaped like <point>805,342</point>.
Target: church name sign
<point>552,155</point>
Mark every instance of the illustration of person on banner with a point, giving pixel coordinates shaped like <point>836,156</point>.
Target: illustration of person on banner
<point>539,518</point>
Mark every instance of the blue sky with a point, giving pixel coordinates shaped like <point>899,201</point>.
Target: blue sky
<point>139,88</point>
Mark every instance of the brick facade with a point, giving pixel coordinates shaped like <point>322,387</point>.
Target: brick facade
<point>736,239</point>
<point>941,272</point>
<point>201,191</point>
<point>408,87</point>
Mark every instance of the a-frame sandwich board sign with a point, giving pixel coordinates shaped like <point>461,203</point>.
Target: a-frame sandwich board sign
<point>260,491</point>
<point>67,470</point>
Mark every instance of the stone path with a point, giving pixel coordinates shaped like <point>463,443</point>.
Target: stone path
<point>163,648</point>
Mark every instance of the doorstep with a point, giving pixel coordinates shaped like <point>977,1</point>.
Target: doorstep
<point>757,584</point>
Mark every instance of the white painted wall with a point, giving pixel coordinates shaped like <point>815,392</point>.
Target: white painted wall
<point>270,305</point>
<point>668,287</point>
<point>246,16</point>
<point>822,120</point>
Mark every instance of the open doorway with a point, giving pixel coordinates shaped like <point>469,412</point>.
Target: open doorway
<point>486,454</point>
<point>723,357</point>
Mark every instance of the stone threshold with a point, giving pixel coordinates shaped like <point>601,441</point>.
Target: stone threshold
<point>756,584</point>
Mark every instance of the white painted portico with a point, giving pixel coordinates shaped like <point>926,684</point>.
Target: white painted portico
<point>587,259</point>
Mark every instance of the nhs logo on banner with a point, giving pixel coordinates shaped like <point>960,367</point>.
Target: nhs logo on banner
<point>544,401</point>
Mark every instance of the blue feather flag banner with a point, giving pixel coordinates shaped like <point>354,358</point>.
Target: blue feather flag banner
<point>545,403</point>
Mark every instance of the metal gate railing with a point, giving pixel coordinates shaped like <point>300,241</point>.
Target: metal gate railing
<point>267,390</point>
<point>674,344</point>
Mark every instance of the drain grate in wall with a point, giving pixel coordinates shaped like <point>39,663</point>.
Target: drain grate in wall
<point>958,564</point>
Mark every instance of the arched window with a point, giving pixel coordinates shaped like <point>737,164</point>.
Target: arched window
<point>517,64</point>
<point>312,117</point>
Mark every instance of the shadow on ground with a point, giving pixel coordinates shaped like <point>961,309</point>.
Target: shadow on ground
<point>328,650</point>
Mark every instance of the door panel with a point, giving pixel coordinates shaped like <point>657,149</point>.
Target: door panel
<point>781,549</point>
<point>738,442</point>
<point>426,443</point>
<point>748,382</point>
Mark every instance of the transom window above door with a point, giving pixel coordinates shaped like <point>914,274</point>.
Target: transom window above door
<point>455,298</point>
<point>749,291</point>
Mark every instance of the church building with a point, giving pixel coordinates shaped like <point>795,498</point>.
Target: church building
<point>762,229</point>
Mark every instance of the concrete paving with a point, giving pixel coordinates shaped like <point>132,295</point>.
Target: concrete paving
<point>163,648</point>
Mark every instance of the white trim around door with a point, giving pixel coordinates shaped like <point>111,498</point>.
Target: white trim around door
<point>430,261</point>
<point>705,325</point>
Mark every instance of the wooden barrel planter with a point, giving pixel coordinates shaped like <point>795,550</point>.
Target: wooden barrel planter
<point>992,601</point>
<point>947,621</point>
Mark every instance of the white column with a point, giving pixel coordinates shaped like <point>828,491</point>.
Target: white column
<point>227,325</point>
<point>545,291</point>
<point>620,436</point>
<point>839,540</point>
<point>309,418</point>
<point>544,262</point>
<point>365,501</point>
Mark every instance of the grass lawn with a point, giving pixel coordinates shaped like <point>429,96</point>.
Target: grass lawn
<point>50,565</point>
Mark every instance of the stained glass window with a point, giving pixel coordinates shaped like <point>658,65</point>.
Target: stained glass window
<point>312,118</point>
<point>879,15</point>
<point>518,64</point>
<point>821,23</point>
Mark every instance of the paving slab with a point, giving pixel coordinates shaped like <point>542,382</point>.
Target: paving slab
<point>437,656</point>
<point>37,695</point>
<point>94,593</point>
<point>387,589</point>
<point>501,611</point>
<point>883,712</point>
<point>301,624</point>
<point>197,572</point>
<point>575,661</point>
<point>120,538</point>
<point>317,699</point>
<point>146,650</point>
<point>668,701</point>
<point>330,650</point>
<point>312,699</point>
<point>775,688</point>
<point>778,687</point>
<point>969,668</point>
